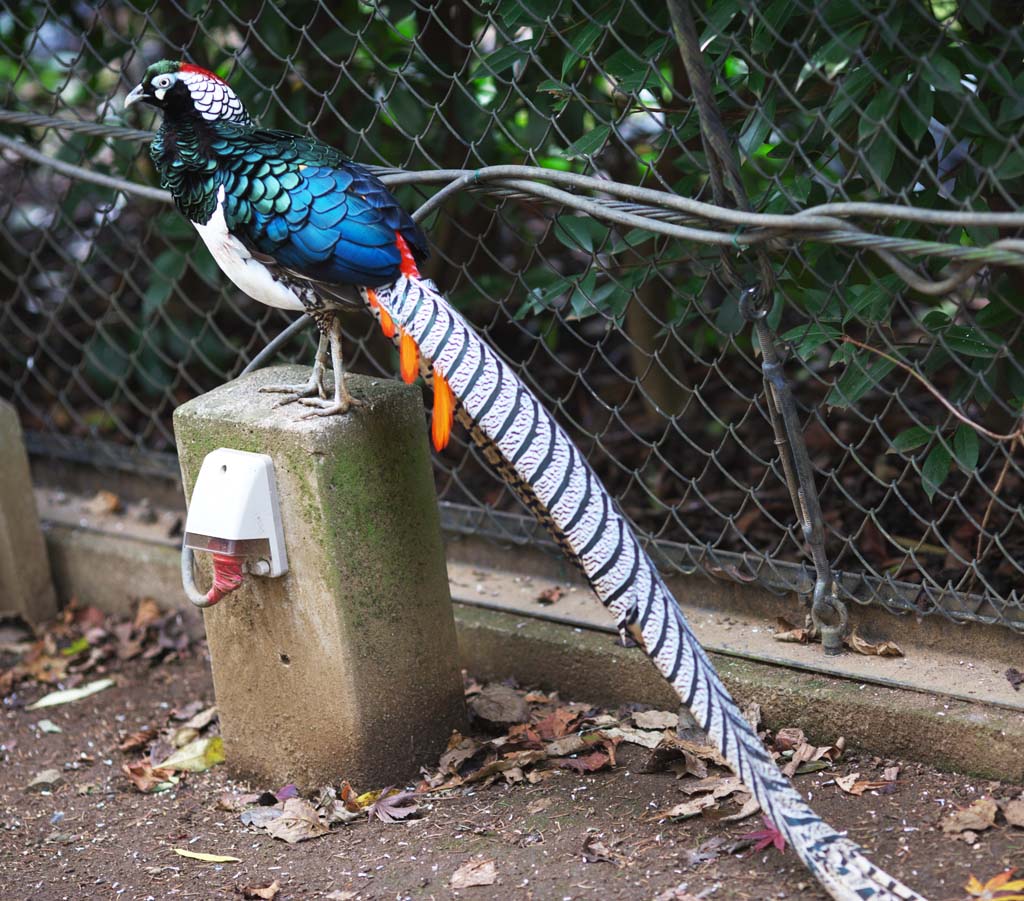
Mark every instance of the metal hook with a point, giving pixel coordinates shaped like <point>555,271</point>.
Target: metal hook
<point>750,304</point>
<point>188,579</point>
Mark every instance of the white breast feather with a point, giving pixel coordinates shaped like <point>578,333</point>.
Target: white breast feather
<point>235,261</point>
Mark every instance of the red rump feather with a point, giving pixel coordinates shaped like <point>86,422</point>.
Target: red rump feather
<point>199,70</point>
<point>408,265</point>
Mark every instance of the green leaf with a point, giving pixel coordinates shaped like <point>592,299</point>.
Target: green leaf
<point>582,300</point>
<point>965,448</point>
<point>970,342</point>
<point>911,438</point>
<point>167,268</point>
<point>824,305</point>
<point>505,57</point>
<point>757,127</point>
<point>916,111</point>
<point>79,645</point>
<point>581,42</point>
<point>935,470</point>
<point>879,110</point>
<point>935,319</point>
<point>580,232</point>
<point>1012,166</point>
<point>589,144</point>
<point>944,74</point>
<point>834,56</point>
<point>848,92</point>
<point>718,17</point>
<point>872,302</point>
<point>864,372</point>
<point>808,338</point>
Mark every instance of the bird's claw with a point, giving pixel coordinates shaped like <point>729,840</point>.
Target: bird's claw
<point>335,407</point>
<point>295,392</point>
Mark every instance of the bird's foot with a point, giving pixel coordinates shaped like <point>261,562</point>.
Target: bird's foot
<point>341,403</point>
<point>311,388</point>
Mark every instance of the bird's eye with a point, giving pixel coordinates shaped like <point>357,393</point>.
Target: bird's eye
<point>162,81</point>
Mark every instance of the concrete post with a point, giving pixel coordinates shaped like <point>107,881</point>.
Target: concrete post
<point>346,667</point>
<point>25,584</point>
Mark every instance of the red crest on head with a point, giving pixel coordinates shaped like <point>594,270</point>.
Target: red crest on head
<point>199,70</point>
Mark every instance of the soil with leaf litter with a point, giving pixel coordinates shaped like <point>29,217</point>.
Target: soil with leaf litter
<point>117,791</point>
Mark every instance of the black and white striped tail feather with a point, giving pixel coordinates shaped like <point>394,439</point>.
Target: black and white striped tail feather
<point>588,523</point>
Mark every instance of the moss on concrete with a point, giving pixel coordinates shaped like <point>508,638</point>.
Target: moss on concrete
<point>353,650</point>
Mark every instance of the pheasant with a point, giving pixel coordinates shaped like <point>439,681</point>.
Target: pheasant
<point>292,222</point>
<point>296,225</point>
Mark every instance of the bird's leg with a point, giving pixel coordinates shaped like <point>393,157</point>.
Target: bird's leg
<point>313,385</point>
<point>343,401</point>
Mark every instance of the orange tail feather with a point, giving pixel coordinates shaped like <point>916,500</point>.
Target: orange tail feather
<point>408,357</point>
<point>444,412</point>
<point>387,324</point>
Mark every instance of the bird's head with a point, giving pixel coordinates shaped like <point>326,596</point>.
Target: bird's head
<point>180,90</point>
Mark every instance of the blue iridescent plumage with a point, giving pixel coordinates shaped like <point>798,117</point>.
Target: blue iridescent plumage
<point>292,199</point>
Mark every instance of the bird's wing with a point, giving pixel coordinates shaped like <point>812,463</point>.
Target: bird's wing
<point>312,212</point>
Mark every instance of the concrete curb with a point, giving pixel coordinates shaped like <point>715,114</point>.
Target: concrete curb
<point>976,738</point>
<point>953,735</point>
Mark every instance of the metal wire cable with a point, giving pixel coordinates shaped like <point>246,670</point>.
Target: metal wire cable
<point>887,193</point>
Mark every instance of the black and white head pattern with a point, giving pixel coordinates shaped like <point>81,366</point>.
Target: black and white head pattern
<point>212,98</point>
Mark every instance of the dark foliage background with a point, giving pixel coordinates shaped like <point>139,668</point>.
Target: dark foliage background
<point>112,313</point>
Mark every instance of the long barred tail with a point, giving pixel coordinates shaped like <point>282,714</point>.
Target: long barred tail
<point>543,465</point>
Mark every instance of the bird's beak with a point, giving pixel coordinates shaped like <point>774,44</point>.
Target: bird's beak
<point>138,93</point>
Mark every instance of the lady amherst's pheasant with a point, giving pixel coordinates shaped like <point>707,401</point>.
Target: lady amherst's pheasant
<point>292,222</point>
<point>296,225</point>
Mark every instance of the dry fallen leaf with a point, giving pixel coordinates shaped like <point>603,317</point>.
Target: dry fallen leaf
<point>587,763</point>
<point>788,632</point>
<point>998,888</point>
<point>596,851</point>
<point>103,502</point>
<point>769,836</point>
<point>297,823</point>
<point>207,858</point>
<point>499,705</point>
<point>475,872</point>
<point>147,778</point>
<point>197,756</point>
<point>655,719</point>
<point>550,595</point>
<point>535,807</point>
<point>688,808</point>
<point>266,892</point>
<point>138,740</point>
<point>978,815</point>
<point>679,893</point>
<point>644,738</point>
<point>1014,812</point>
<point>46,781</point>
<point>1015,677</point>
<point>71,694</point>
<point>390,808</point>
<point>202,719</point>
<point>334,810</point>
<point>559,723</point>
<point>880,649</point>
<point>852,784</point>
<point>147,613</point>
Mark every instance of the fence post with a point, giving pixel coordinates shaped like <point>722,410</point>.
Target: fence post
<point>346,666</point>
<point>26,587</point>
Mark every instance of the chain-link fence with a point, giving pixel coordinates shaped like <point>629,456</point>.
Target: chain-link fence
<point>113,313</point>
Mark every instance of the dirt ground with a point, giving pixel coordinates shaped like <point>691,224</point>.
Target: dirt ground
<point>570,836</point>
